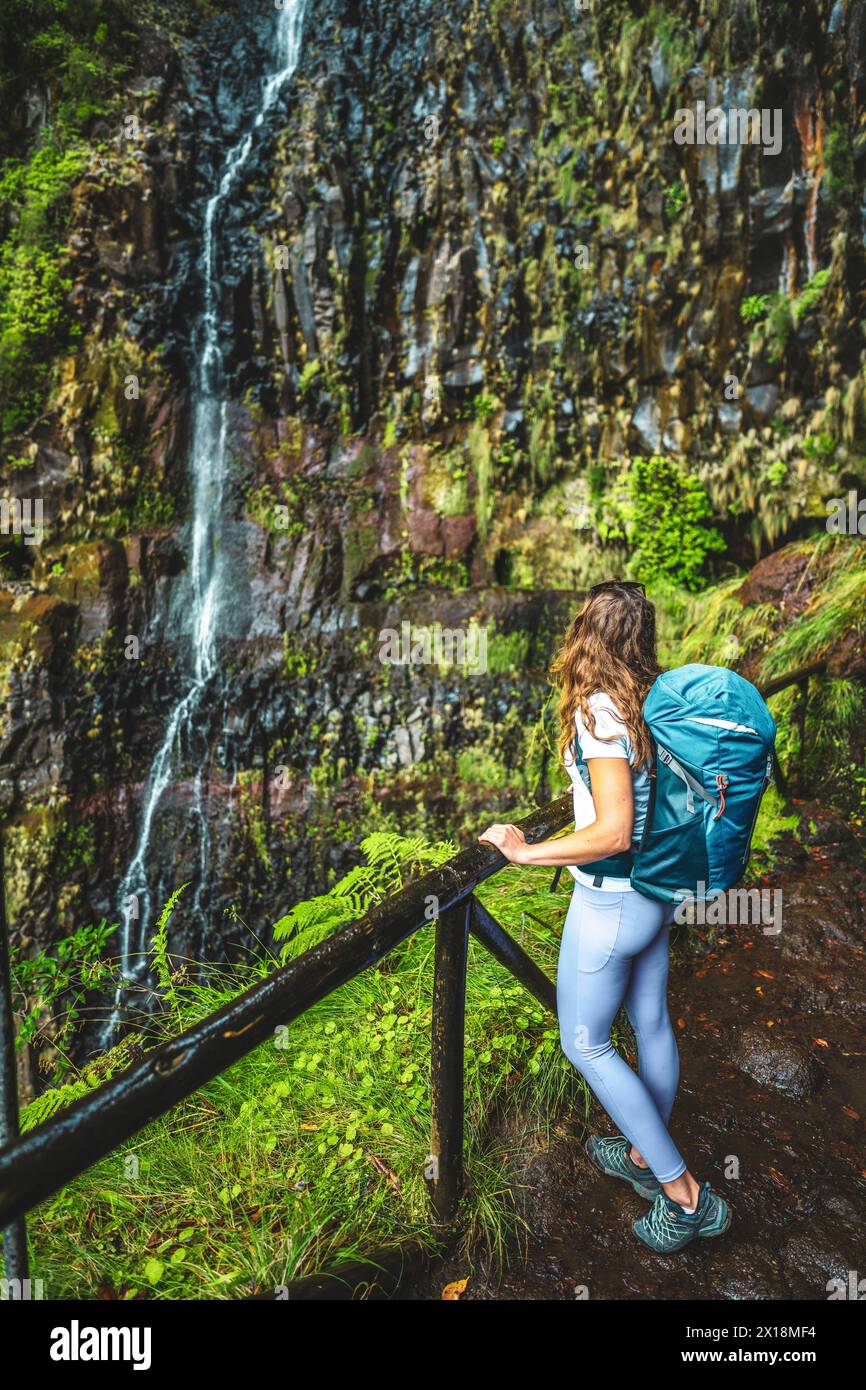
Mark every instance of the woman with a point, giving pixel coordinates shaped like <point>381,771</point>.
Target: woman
<point>615,940</point>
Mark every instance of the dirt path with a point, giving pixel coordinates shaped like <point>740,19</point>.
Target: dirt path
<point>772,1034</point>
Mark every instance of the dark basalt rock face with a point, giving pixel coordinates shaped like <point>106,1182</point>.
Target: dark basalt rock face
<point>434,392</point>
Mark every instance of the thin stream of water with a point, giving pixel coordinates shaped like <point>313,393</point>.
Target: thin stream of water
<point>205,576</point>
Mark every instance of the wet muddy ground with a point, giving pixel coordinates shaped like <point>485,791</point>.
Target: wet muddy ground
<point>771,1108</point>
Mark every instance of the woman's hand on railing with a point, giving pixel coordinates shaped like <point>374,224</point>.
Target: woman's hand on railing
<point>508,840</point>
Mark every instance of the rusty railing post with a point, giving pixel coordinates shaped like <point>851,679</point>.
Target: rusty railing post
<point>445,1164</point>
<point>15,1234</point>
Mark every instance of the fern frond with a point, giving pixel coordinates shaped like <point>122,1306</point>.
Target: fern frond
<point>90,1077</point>
<point>392,860</point>
<point>159,950</point>
<point>386,848</point>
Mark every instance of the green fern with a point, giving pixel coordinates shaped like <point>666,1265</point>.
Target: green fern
<point>93,1075</point>
<point>391,861</point>
<point>162,966</point>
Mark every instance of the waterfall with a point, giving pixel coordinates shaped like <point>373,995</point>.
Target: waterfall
<point>204,577</point>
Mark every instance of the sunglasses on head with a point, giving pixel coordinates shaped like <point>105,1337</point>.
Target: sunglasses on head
<point>630,584</point>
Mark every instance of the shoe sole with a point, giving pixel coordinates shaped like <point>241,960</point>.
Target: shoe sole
<point>649,1194</point>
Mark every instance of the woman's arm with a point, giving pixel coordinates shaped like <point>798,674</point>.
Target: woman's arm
<point>610,832</point>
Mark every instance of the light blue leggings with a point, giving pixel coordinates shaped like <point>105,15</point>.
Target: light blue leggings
<point>615,951</point>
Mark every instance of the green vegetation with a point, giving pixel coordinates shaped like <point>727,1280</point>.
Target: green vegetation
<point>299,659</point>
<point>774,821</point>
<point>754,307</point>
<point>75,49</point>
<point>308,375</point>
<point>446,481</point>
<point>668,34</point>
<point>777,316</point>
<point>409,571</point>
<point>777,472</point>
<point>854,776</point>
<point>675,199</point>
<point>840,178</point>
<point>34,324</point>
<point>51,990</point>
<point>721,629</point>
<point>72,52</point>
<point>509,652</point>
<point>837,608</point>
<point>391,860</point>
<point>822,446</point>
<point>38,188</point>
<point>667,515</point>
<point>313,1150</point>
<point>483,407</point>
<point>153,505</point>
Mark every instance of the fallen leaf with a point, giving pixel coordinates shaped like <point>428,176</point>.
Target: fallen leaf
<point>846,1110</point>
<point>393,1180</point>
<point>455,1290</point>
<point>820,1042</point>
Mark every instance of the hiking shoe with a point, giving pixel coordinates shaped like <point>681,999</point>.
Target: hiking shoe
<point>666,1227</point>
<point>612,1156</point>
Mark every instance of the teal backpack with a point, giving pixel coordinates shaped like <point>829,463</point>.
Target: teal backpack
<point>713,738</point>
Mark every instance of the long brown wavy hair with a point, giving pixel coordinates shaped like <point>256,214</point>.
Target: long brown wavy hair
<point>609,647</point>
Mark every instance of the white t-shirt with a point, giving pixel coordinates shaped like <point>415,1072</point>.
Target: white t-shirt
<point>608,722</point>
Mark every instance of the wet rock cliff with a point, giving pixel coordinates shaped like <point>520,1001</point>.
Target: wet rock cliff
<point>467,277</point>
